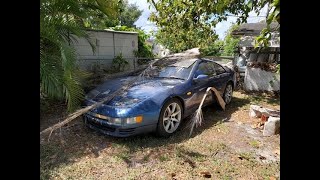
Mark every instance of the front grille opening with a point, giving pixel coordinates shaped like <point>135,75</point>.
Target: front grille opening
<point>99,126</point>
<point>126,131</point>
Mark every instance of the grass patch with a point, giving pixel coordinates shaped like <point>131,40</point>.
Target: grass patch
<point>51,156</point>
<point>269,170</point>
<point>145,158</point>
<point>178,152</point>
<point>124,155</point>
<point>218,147</point>
<point>255,143</point>
<point>243,100</point>
<point>163,158</point>
<point>222,128</point>
<point>258,99</point>
<point>246,156</point>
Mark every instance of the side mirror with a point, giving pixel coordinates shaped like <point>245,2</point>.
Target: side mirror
<point>201,77</point>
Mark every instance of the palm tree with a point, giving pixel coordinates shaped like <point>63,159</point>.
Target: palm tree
<point>60,22</point>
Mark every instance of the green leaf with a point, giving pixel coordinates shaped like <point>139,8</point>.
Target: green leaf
<point>270,17</point>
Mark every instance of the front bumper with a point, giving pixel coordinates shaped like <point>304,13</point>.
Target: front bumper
<point>116,130</point>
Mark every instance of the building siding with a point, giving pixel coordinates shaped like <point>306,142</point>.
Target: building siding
<point>108,45</point>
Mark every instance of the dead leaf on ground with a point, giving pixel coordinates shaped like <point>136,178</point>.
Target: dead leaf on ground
<point>243,157</point>
<point>191,163</point>
<point>262,158</point>
<point>277,151</point>
<point>53,156</point>
<point>272,178</point>
<point>205,174</point>
<point>173,174</point>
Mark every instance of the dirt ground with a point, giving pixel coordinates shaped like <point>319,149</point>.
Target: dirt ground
<point>225,146</point>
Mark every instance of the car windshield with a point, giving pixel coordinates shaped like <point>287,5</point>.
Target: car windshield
<point>171,68</point>
<point>172,72</point>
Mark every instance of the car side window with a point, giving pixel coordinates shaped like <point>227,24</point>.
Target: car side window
<point>219,69</point>
<point>206,68</point>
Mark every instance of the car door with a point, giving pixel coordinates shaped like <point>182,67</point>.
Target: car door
<point>221,78</point>
<point>199,88</point>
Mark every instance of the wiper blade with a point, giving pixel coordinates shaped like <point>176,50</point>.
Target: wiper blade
<point>171,77</point>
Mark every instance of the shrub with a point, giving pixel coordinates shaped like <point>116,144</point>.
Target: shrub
<point>119,63</point>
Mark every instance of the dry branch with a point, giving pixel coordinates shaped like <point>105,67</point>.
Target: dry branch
<point>79,112</point>
<point>198,116</point>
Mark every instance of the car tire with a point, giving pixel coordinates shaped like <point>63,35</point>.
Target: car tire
<point>170,118</point>
<point>227,94</point>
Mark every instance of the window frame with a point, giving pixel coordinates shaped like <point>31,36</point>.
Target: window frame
<point>219,65</point>
<point>208,68</point>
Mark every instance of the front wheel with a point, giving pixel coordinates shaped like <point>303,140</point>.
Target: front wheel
<point>170,117</point>
<point>227,95</point>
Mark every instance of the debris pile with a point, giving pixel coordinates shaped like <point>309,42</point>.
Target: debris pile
<point>272,67</point>
<point>270,119</point>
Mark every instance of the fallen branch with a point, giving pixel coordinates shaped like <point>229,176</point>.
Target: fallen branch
<point>198,116</point>
<point>76,114</point>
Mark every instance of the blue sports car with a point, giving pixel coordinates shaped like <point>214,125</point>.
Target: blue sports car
<point>161,101</point>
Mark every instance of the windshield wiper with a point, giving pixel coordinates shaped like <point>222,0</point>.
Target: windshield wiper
<point>171,77</point>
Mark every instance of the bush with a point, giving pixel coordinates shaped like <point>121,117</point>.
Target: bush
<point>119,63</point>
<point>214,49</point>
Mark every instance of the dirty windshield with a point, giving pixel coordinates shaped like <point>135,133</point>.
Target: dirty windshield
<point>173,70</point>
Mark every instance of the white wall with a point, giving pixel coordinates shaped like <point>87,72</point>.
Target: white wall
<point>108,45</point>
<point>257,79</point>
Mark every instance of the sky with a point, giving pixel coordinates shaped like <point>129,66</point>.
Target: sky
<point>220,28</point>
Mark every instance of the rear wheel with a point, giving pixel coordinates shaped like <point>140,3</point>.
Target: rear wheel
<point>227,95</point>
<point>170,117</point>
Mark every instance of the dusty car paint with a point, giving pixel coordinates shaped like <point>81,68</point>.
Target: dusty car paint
<point>146,98</point>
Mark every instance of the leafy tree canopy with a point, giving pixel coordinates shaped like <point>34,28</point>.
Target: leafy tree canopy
<point>214,49</point>
<point>230,42</point>
<point>189,23</point>
<point>127,15</point>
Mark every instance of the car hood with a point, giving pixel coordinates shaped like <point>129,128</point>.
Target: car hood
<point>140,91</point>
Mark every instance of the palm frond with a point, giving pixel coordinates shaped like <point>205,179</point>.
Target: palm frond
<point>72,90</point>
<point>68,57</point>
<point>51,75</point>
<point>63,7</point>
<point>109,8</point>
<point>60,22</point>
